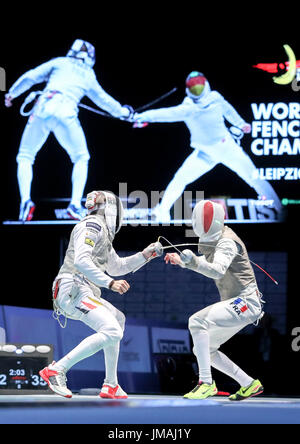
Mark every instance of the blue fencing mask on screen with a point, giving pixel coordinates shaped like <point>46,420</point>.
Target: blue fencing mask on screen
<point>83,50</point>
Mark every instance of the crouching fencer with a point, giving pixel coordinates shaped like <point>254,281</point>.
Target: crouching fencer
<point>225,260</point>
<point>90,260</point>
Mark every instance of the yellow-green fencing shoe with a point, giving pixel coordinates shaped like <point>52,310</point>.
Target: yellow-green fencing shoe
<point>202,391</point>
<point>247,392</point>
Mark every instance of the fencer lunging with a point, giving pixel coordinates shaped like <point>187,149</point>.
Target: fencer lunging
<point>89,263</point>
<point>68,79</point>
<point>203,111</point>
<point>225,260</point>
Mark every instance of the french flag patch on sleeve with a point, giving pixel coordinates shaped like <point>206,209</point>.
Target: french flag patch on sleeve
<point>239,306</point>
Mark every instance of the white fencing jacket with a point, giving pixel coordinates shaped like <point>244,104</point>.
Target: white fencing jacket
<point>90,254</point>
<point>204,118</point>
<point>226,261</point>
<point>71,77</point>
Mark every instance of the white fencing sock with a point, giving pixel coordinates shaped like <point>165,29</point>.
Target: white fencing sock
<point>111,356</point>
<point>88,347</point>
<point>24,174</point>
<point>79,177</point>
<point>225,365</point>
<point>201,351</point>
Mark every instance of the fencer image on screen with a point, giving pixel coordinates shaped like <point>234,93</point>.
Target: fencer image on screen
<point>204,111</point>
<point>68,79</point>
<point>250,145</point>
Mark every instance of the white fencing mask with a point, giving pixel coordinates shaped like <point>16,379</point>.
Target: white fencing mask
<point>83,50</point>
<point>197,86</point>
<point>208,220</point>
<point>108,205</point>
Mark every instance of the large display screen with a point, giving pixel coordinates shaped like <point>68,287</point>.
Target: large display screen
<point>210,135</point>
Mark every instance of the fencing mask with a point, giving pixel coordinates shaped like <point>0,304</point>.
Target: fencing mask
<point>108,205</point>
<point>83,50</point>
<point>208,220</point>
<point>197,85</point>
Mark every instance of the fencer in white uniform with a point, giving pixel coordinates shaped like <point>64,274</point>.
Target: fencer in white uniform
<point>68,79</point>
<point>89,263</point>
<point>225,260</point>
<point>203,111</point>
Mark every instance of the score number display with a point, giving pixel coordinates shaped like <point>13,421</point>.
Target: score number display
<point>22,373</point>
<point>19,371</point>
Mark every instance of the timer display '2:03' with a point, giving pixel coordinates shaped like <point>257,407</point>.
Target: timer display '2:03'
<point>22,373</point>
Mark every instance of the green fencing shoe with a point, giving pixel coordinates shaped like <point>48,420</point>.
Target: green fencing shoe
<point>202,391</point>
<point>247,392</point>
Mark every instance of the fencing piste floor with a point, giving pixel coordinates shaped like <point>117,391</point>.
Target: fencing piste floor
<point>146,409</point>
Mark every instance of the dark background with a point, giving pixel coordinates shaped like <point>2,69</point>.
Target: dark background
<point>141,55</point>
